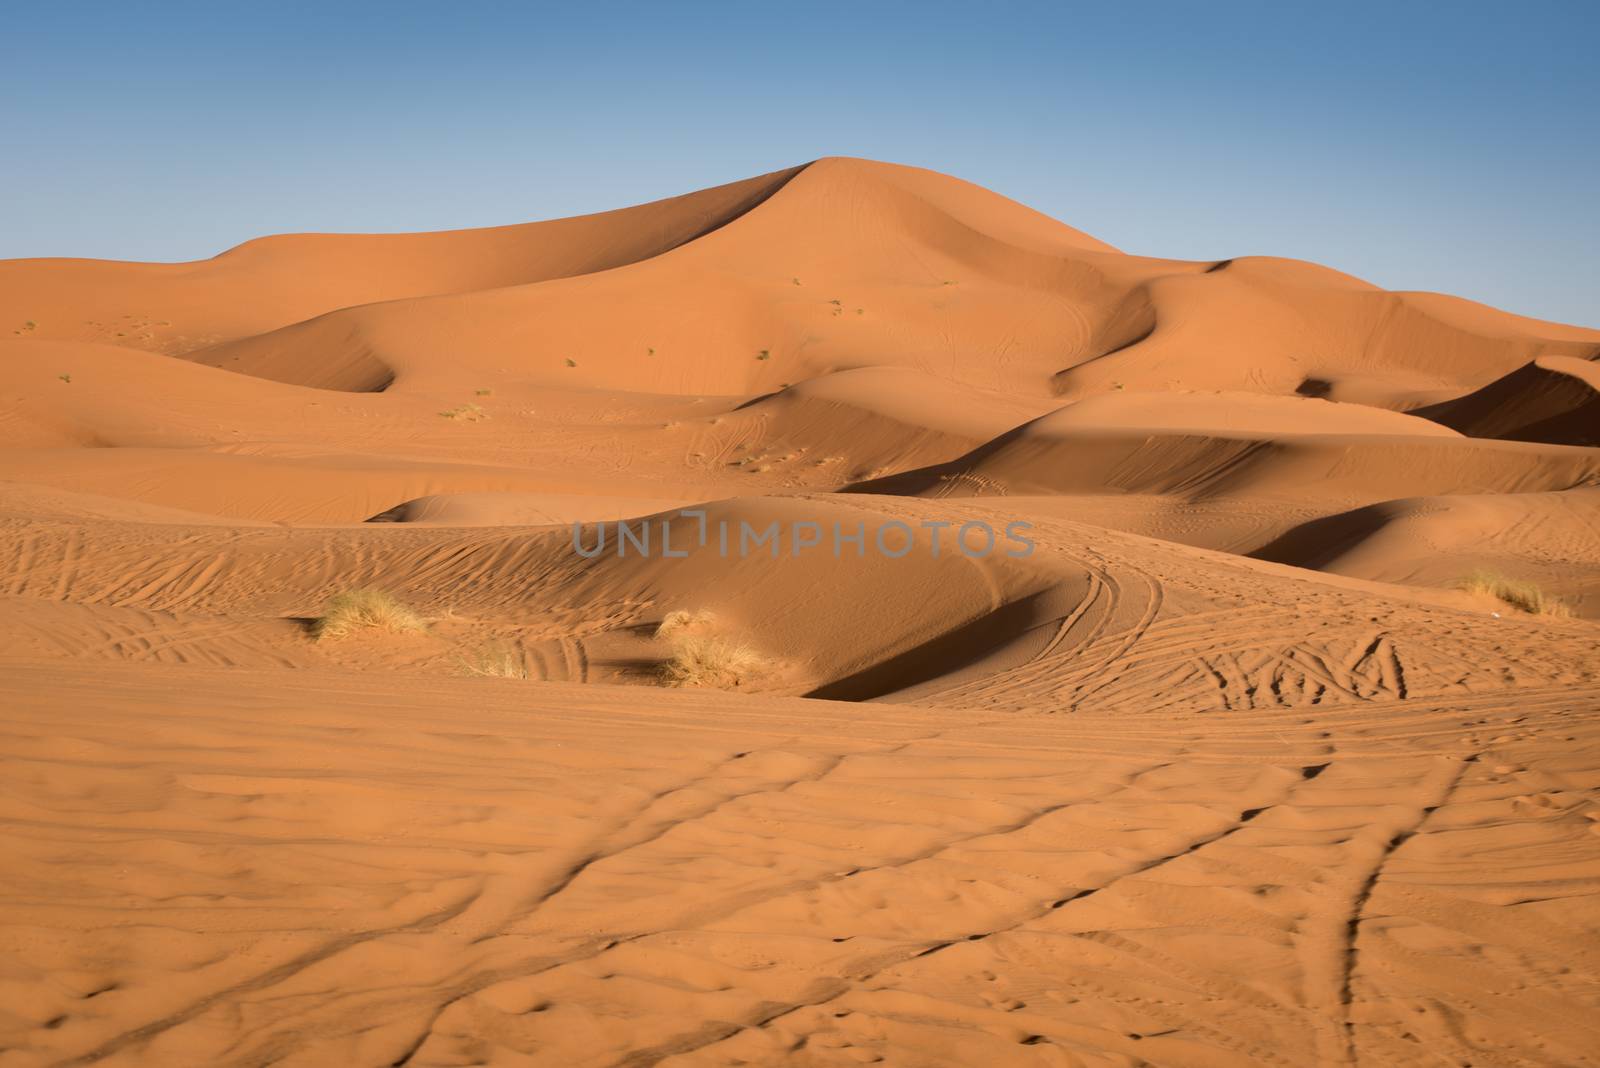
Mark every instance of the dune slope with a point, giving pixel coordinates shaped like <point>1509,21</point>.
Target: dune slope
<point>1019,652</point>
<point>1554,399</point>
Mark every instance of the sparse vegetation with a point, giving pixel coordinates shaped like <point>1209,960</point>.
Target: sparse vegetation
<point>675,623</point>
<point>764,354</point>
<point>649,352</point>
<point>468,413</point>
<point>482,392</point>
<point>572,363</point>
<point>1524,596</point>
<point>702,658</point>
<point>796,281</point>
<point>496,662</point>
<point>707,661</point>
<point>65,378</point>
<point>365,609</point>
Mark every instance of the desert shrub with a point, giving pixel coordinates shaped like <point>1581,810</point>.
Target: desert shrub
<point>677,622</point>
<point>496,662</point>
<point>1524,596</point>
<point>707,661</point>
<point>365,609</point>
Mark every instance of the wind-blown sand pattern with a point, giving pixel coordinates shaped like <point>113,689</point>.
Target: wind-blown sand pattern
<point>1245,764</point>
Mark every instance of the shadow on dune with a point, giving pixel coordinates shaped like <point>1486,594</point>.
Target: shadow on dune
<point>1318,542</point>
<point>948,653</point>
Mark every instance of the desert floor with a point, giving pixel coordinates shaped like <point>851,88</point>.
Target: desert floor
<point>1281,748</point>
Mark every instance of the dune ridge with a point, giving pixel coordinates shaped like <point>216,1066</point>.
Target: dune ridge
<point>1551,399</point>
<point>1111,687</point>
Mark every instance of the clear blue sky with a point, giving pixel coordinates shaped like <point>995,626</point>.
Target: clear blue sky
<point>1444,146</point>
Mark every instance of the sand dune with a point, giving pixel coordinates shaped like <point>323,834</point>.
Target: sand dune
<point>276,281</point>
<point>521,509</point>
<point>849,263</point>
<point>1210,758</point>
<point>1039,458</point>
<point>589,881</point>
<point>1552,399</point>
<point>1547,538</point>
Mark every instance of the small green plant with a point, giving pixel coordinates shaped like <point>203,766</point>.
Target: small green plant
<point>365,609</point>
<point>764,354</point>
<point>65,378</point>
<point>1524,596</point>
<point>572,363</point>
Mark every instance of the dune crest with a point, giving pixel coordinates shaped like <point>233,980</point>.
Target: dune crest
<point>1553,399</point>
<point>841,615</point>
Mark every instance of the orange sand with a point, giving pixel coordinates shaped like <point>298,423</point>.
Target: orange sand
<point>1234,769</point>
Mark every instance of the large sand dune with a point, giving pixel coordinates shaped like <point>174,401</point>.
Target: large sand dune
<point>1280,747</point>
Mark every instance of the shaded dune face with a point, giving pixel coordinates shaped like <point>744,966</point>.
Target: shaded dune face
<point>1127,660</point>
<point>1551,399</point>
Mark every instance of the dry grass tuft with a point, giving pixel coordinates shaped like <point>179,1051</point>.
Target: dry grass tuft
<point>366,609</point>
<point>470,413</point>
<point>1524,596</point>
<point>716,662</point>
<point>496,662</point>
<point>677,622</point>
